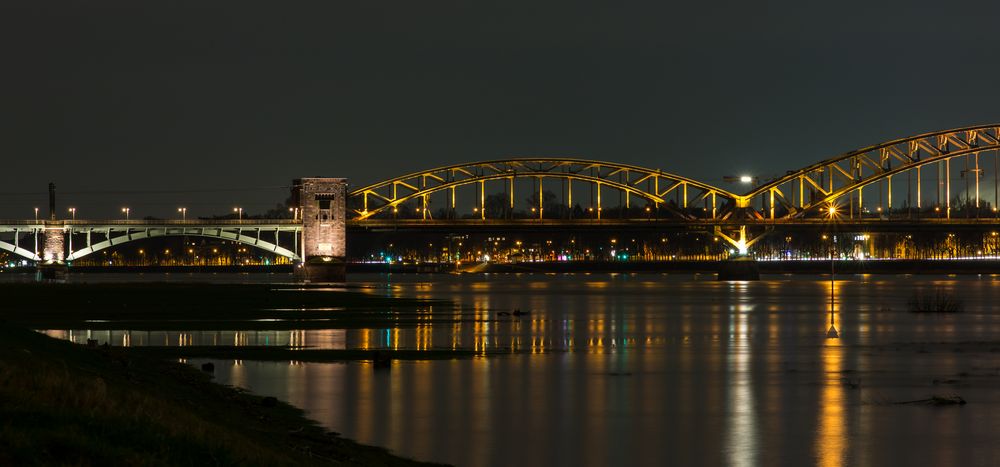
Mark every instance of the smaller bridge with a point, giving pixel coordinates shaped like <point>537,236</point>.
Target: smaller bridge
<point>27,238</point>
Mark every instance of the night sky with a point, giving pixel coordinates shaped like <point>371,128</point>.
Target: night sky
<point>213,104</point>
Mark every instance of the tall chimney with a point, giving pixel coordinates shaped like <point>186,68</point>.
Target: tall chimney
<point>52,201</point>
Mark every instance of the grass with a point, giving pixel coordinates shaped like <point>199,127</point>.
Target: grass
<point>64,404</point>
<point>938,302</point>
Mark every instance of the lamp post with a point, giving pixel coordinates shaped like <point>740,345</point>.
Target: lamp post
<point>295,213</point>
<point>72,212</point>
<point>36,214</point>
<point>832,332</point>
<point>239,213</point>
<point>126,211</point>
<point>184,213</point>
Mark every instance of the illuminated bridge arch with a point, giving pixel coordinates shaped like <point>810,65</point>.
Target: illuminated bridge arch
<point>653,186</point>
<point>264,237</point>
<point>18,250</point>
<point>812,190</point>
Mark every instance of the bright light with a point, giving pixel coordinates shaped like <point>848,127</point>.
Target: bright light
<point>746,179</point>
<point>741,246</point>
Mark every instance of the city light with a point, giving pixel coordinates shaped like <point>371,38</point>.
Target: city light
<point>746,179</point>
<point>126,211</point>
<point>183,212</point>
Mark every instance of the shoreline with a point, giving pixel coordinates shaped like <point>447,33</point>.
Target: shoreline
<point>64,403</point>
<point>818,266</point>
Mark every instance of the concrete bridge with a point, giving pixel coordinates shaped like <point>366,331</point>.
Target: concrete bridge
<point>314,239</point>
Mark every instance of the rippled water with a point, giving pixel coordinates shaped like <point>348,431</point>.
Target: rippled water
<point>668,370</point>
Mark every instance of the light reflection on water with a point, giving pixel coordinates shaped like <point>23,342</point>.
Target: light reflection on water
<point>657,370</point>
<point>317,338</point>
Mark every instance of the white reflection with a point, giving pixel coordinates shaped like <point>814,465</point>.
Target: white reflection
<point>741,426</point>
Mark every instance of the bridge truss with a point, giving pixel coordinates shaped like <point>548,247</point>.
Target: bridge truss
<point>653,187</point>
<point>838,186</point>
<point>884,181</point>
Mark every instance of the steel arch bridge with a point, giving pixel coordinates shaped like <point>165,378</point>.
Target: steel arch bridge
<point>650,185</point>
<point>835,187</point>
<point>824,184</point>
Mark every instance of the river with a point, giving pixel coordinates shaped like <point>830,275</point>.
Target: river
<point>651,369</point>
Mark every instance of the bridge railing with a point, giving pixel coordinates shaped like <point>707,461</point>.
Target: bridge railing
<point>143,223</point>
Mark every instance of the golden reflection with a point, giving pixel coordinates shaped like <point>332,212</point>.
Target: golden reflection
<point>831,435</point>
<point>456,335</point>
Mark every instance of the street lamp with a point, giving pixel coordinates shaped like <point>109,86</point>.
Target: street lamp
<point>295,213</point>
<point>239,212</point>
<point>184,213</point>
<point>36,214</point>
<point>72,212</point>
<point>126,211</point>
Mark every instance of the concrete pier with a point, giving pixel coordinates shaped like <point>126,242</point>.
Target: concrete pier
<point>742,268</point>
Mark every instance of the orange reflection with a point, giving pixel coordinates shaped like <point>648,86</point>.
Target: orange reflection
<point>831,437</point>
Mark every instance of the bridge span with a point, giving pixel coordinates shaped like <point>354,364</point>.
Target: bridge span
<point>84,237</point>
<point>314,238</point>
<point>939,182</point>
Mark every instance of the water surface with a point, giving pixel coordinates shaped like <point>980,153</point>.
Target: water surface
<point>619,369</point>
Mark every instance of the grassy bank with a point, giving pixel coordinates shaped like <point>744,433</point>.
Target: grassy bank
<point>66,404</point>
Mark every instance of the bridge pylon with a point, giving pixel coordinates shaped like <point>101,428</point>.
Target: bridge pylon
<point>52,264</point>
<point>322,205</point>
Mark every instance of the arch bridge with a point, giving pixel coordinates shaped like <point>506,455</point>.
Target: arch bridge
<point>651,187</point>
<point>903,179</point>
<point>26,238</point>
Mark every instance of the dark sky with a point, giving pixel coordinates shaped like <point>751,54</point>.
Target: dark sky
<point>176,99</point>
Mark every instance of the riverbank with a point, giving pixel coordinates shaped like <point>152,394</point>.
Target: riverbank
<point>819,266</point>
<point>62,403</point>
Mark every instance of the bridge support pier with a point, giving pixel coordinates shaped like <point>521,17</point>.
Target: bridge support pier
<point>52,260</point>
<point>324,227</point>
<point>741,268</point>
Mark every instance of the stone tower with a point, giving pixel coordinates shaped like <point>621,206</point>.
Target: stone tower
<point>322,208</point>
<point>52,257</point>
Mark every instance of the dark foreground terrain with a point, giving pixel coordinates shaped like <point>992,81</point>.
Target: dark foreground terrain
<point>62,403</point>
